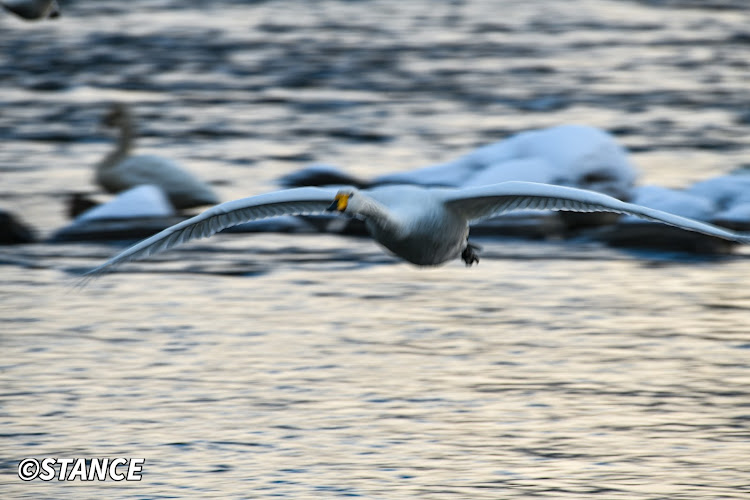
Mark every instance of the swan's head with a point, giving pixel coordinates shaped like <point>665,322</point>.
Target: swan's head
<point>117,115</point>
<point>345,200</point>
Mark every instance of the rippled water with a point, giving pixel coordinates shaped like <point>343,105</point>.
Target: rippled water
<point>313,366</point>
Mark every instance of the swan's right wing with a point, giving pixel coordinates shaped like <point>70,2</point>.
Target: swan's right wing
<point>307,200</point>
<point>488,201</point>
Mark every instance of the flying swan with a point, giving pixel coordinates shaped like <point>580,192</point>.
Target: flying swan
<point>424,226</point>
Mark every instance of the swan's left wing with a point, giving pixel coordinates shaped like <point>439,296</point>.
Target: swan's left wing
<point>298,201</point>
<point>488,201</point>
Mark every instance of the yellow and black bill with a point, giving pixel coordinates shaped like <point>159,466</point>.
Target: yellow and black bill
<point>339,203</point>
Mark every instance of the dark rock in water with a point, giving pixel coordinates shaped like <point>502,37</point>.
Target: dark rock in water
<point>320,175</point>
<point>50,85</point>
<point>284,224</point>
<point>575,221</point>
<point>303,224</point>
<point>114,229</point>
<point>13,231</point>
<point>652,236</point>
<point>79,203</point>
<point>32,9</point>
<point>742,226</point>
<point>533,227</point>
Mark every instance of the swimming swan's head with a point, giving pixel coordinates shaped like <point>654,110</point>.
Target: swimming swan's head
<point>117,115</point>
<point>341,201</point>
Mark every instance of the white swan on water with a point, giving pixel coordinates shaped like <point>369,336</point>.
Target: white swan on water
<point>424,226</point>
<point>119,171</point>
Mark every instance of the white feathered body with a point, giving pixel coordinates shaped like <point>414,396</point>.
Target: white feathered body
<point>183,188</point>
<point>430,234</point>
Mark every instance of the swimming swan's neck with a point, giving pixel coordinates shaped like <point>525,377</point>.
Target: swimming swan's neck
<point>123,147</point>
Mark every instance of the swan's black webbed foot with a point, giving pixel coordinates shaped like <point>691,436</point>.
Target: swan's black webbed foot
<point>469,255</point>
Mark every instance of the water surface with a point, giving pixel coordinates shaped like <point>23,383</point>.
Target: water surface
<point>316,366</point>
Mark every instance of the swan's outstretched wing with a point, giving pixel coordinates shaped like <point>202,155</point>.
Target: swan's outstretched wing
<point>288,202</point>
<point>488,201</point>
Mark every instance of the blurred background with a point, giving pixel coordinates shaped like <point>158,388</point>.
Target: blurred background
<point>313,365</point>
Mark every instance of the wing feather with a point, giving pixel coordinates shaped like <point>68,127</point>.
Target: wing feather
<point>297,201</point>
<point>489,201</point>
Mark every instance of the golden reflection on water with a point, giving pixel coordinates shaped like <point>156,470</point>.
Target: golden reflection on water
<point>517,377</point>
